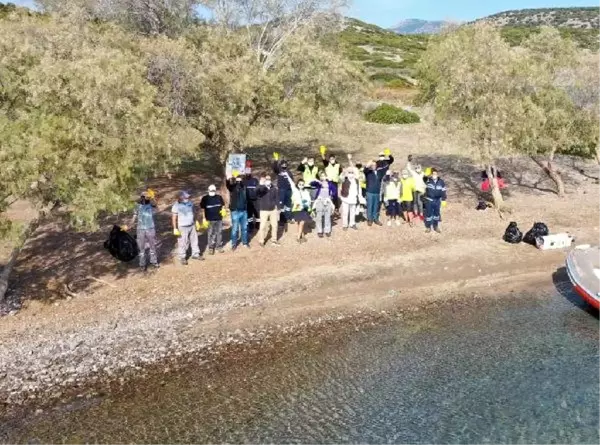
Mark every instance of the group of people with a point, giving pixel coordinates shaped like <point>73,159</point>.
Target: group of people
<point>319,194</point>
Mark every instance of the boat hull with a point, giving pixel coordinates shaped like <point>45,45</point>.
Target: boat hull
<point>580,268</point>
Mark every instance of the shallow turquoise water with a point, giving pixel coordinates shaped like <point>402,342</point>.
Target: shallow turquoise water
<point>515,370</point>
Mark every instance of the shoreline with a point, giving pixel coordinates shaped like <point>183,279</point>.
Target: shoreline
<point>59,380</point>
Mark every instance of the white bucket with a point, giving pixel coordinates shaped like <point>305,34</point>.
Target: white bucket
<point>556,241</point>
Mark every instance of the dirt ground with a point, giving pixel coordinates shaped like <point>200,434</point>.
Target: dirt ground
<point>121,316</point>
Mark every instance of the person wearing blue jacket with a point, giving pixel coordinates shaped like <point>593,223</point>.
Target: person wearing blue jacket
<point>374,174</point>
<point>435,198</point>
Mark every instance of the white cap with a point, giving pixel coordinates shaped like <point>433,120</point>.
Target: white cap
<point>212,188</point>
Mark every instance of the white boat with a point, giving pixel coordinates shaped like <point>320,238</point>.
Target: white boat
<point>583,267</point>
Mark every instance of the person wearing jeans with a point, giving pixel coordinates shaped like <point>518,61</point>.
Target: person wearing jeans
<point>146,233</point>
<point>213,204</point>
<point>238,207</point>
<point>374,173</point>
<point>184,219</point>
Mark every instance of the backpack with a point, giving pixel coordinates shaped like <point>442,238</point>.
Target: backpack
<point>512,234</point>
<point>539,229</point>
<point>121,245</point>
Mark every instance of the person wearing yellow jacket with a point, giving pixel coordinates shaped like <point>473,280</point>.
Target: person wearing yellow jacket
<point>333,170</point>
<point>391,197</point>
<point>407,196</point>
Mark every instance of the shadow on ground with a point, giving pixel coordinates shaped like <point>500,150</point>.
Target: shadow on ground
<point>564,287</point>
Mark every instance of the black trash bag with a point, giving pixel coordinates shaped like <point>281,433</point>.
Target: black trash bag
<point>512,234</point>
<point>121,245</point>
<point>539,229</point>
<point>481,205</point>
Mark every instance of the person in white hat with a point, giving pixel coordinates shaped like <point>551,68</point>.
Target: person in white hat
<point>213,206</point>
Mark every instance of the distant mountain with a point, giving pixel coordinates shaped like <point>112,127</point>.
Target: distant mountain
<point>418,26</point>
<point>578,18</point>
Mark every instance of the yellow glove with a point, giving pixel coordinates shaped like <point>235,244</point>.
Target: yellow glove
<point>443,203</point>
<point>176,232</point>
<point>223,213</point>
<point>124,228</point>
<point>235,173</point>
<point>205,224</point>
<point>276,156</point>
<point>198,226</point>
<point>387,152</point>
<point>150,193</point>
<point>323,150</point>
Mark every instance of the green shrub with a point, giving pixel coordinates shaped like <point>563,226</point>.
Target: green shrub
<point>389,114</point>
<point>399,84</point>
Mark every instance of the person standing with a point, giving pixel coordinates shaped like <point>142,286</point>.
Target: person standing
<point>310,173</point>
<point>213,207</point>
<point>407,196</point>
<point>268,198</point>
<point>435,198</point>
<point>333,170</point>
<point>374,173</point>
<point>184,221</point>
<point>323,205</point>
<point>251,184</point>
<point>239,213</point>
<point>301,206</point>
<point>391,196</point>
<point>349,194</point>
<point>146,232</point>
<point>419,192</point>
<point>280,168</point>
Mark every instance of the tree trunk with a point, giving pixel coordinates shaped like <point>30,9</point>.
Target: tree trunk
<point>5,274</point>
<point>552,173</point>
<point>495,189</point>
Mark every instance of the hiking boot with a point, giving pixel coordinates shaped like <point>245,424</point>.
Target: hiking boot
<point>142,269</point>
<point>155,266</point>
<point>211,251</point>
<point>345,228</point>
<point>354,227</point>
<point>379,223</point>
<point>233,247</point>
<point>183,262</point>
<point>328,235</point>
<point>369,223</point>
<point>428,230</point>
<point>198,257</point>
<point>320,235</point>
<point>437,229</point>
<point>411,224</point>
<point>221,250</point>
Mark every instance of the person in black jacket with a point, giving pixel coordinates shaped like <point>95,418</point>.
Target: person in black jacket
<point>280,168</point>
<point>268,199</point>
<point>251,184</point>
<point>374,174</point>
<point>239,213</point>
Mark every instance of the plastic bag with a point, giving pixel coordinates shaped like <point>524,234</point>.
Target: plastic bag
<point>512,234</point>
<point>481,205</point>
<point>539,229</point>
<point>121,245</point>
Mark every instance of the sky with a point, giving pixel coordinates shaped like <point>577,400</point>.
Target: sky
<point>387,13</point>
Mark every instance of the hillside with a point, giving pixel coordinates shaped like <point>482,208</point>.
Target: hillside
<point>579,18</point>
<point>418,26</point>
<point>386,56</point>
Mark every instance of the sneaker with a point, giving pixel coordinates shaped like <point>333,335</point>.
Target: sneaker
<point>221,250</point>
<point>328,235</point>
<point>211,251</point>
<point>155,266</point>
<point>142,269</point>
<point>379,223</point>
<point>198,257</point>
<point>320,235</point>
<point>354,227</point>
<point>411,224</point>
<point>183,262</point>
<point>345,228</point>
<point>369,223</point>
<point>233,247</point>
<point>398,222</point>
<point>261,243</point>
<point>428,230</point>
<point>437,229</point>
<point>247,246</point>
<point>275,243</point>
<point>389,223</point>
<point>299,240</point>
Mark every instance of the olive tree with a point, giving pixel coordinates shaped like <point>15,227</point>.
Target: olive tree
<point>471,77</point>
<point>80,127</point>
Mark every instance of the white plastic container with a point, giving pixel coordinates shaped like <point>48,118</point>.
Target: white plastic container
<point>555,241</point>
